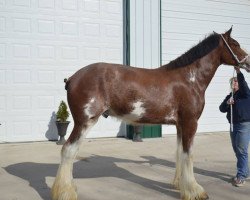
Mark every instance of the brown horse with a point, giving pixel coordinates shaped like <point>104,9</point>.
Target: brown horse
<point>171,94</point>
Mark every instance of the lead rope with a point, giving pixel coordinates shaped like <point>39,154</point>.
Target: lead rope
<point>231,105</point>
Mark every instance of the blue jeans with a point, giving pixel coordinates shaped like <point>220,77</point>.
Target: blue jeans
<point>240,140</point>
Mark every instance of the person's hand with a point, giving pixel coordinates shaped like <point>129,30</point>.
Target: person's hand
<point>237,69</point>
<point>230,101</point>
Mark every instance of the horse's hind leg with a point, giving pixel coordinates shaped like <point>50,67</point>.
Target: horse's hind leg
<point>63,187</point>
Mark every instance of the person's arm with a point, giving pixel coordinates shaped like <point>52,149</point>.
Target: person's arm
<point>243,87</point>
<point>225,106</point>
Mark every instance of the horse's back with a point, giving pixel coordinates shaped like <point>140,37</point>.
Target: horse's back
<point>108,74</point>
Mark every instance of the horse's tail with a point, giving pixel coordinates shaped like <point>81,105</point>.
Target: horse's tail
<point>66,81</point>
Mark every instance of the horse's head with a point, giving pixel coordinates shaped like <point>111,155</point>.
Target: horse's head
<point>232,53</point>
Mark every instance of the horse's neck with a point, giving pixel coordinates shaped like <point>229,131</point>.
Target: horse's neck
<point>206,68</point>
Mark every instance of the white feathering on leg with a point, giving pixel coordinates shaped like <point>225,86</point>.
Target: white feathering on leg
<point>189,188</point>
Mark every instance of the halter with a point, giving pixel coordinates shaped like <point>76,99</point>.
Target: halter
<point>240,63</point>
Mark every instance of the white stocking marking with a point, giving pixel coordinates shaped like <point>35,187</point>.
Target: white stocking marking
<point>178,164</point>
<point>189,188</point>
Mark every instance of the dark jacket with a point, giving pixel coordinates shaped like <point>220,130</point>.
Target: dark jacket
<point>241,106</point>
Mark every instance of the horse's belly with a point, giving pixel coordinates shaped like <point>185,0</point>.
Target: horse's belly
<point>143,112</point>
<point>131,115</point>
<point>140,116</point>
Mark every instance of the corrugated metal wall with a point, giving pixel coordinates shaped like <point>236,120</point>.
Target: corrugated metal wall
<point>184,24</point>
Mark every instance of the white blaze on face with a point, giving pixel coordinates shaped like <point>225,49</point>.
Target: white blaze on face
<point>137,112</point>
<point>87,108</point>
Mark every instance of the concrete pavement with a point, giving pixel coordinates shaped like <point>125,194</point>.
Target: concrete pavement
<point>117,168</point>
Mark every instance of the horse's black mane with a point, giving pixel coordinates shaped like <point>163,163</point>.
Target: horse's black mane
<point>196,52</point>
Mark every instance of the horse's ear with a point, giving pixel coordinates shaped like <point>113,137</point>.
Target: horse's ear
<point>228,33</point>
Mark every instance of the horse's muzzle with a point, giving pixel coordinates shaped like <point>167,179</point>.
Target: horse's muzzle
<point>245,63</point>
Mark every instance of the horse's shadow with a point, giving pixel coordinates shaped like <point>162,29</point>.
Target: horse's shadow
<point>96,167</point>
<point>218,175</point>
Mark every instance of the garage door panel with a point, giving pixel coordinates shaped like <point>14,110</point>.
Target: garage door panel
<point>43,42</point>
<point>196,26</point>
<point>201,6</point>
<point>208,12</point>
<point>182,36</point>
<point>214,87</point>
<point>185,24</point>
<point>204,15</point>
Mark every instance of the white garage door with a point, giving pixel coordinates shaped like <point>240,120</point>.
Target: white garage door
<point>185,23</point>
<point>41,43</point>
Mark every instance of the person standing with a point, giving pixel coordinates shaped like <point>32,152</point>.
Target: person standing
<point>240,135</point>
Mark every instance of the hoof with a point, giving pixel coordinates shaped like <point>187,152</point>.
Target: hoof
<point>176,185</point>
<point>202,196</point>
<point>65,192</point>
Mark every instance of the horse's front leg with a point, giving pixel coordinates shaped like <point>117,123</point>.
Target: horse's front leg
<point>189,188</point>
<point>178,160</point>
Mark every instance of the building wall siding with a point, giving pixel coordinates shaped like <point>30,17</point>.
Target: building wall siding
<point>184,24</point>
<point>41,43</point>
